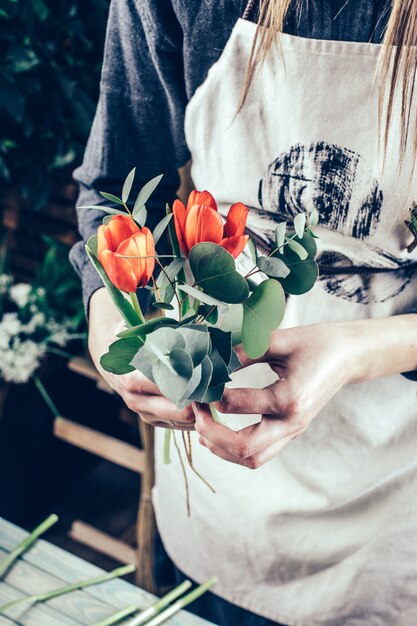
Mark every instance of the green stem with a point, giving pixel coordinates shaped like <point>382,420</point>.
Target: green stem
<point>59,352</point>
<point>156,608</point>
<point>45,395</point>
<point>184,473</point>
<point>48,595</point>
<point>136,306</point>
<point>167,446</point>
<point>215,415</point>
<point>27,543</point>
<point>116,617</point>
<point>178,605</point>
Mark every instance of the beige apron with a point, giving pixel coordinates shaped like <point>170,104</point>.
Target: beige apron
<point>325,533</point>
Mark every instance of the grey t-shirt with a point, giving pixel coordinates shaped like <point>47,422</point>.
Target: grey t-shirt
<point>157,53</point>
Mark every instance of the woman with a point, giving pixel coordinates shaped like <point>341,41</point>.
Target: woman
<point>324,531</point>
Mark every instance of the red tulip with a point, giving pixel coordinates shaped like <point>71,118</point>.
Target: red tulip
<point>200,221</point>
<point>122,237</point>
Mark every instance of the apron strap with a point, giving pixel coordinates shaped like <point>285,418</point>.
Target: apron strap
<point>248,9</point>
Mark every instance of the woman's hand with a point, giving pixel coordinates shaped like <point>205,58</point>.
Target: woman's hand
<point>313,363</point>
<point>140,394</point>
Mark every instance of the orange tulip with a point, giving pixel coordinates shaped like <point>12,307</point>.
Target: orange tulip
<point>200,221</point>
<point>122,237</point>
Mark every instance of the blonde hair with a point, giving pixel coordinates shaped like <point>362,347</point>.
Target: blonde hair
<point>397,63</point>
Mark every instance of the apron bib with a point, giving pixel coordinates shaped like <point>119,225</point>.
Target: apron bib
<point>326,532</point>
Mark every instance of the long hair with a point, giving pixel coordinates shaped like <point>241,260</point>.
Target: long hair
<point>396,69</point>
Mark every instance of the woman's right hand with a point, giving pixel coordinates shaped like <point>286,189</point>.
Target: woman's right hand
<point>140,394</point>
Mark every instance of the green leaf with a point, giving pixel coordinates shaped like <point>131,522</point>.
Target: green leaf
<point>273,267</point>
<point>303,274</point>
<point>280,231</point>
<point>297,248</point>
<point>263,311</point>
<point>313,219</point>
<point>299,224</point>
<point>121,352</point>
<point>145,193</point>
<point>140,216</point>
<point>169,273</point>
<point>111,197</point>
<point>233,319</point>
<point>125,308</point>
<point>205,378</point>
<point>106,209</point>
<point>163,305</point>
<point>159,228</point>
<point>197,341</point>
<point>253,251</point>
<point>200,295</point>
<point>215,272</point>
<point>127,185</point>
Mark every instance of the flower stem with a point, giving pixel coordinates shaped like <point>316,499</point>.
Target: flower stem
<point>27,543</point>
<point>136,306</point>
<point>187,490</point>
<point>178,605</point>
<point>48,595</point>
<point>117,617</point>
<point>45,395</point>
<point>156,608</point>
<point>215,415</point>
<point>188,452</point>
<point>167,446</point>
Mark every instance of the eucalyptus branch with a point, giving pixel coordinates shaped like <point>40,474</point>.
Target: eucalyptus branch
<point>187,490</point>
<point>156,608</point>
<point>188,452</point>
<point>54,593</point>
<point>27,543</point>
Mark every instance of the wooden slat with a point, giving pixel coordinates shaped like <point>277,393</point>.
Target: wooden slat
<point>69,568</point>
<point>83,366</point>
<point>102,445</point>
<point>102,542</point>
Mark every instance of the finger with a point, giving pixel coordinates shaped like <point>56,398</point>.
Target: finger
<point>153,420</point>
<point>160,407</point>
<point>135,382</point>
<point>254,461</point>
<point>249,441</point>
<point>280,347</point>
<point>274,399</point>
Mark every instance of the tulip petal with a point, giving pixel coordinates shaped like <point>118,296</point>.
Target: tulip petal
<point>234,245</point>
<point>201,197</point>
<point>202,224</point>
<point>140,245</point>
<point>119,271</point>
<point>178,209</point>
<point>119,228</point>
<point>236,220</point>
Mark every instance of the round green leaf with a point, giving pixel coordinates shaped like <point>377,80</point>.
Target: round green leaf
<point>262,313</point>
<point>215,272</point>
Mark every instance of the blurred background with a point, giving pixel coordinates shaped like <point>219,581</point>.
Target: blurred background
<point>67,445</point>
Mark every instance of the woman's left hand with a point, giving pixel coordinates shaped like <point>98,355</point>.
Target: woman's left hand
<point>313,363</point>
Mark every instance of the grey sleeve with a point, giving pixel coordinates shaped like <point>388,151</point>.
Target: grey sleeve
<point>139,119</point>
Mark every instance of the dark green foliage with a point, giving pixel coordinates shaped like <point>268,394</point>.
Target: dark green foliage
<point>50,59</point>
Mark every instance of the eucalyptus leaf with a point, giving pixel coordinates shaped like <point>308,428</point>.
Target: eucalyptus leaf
<point>215,272</point>
<point>213,394</point>
<point>299,224</point>
<point>273,267</point>
<point>181,362</point>
<point>121,352</point>
<point>253,250</point>
<point>163,305</point>
<point>200,295</point>
<point>206,371</point>
<point>141,216</point>
<point>105,209</point>
<point>159,228</point>
<point>313,218</point>
<point>233,318</point>
<point>111,197</point>
<point>297,248</point>
<point>127,185</point>
<point>280,232</point>
<point>263,311</point>
<point>145,193</point>
<point>169,273</point>
<point>197,342</point>
<point>303,274</point>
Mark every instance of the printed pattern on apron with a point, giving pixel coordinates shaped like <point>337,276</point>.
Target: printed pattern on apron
<point>326,532</point>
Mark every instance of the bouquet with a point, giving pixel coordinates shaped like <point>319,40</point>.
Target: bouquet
<point>38,318</point>
<point>206,305</point>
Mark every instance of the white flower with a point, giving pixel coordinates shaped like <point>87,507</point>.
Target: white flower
<point>10,324</point>
<point>37,321</point>
<point>20,360</point>
<point>5,282</point>
<point>20,294</point>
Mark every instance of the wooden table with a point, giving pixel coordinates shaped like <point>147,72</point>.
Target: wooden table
<point>45,567</point>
